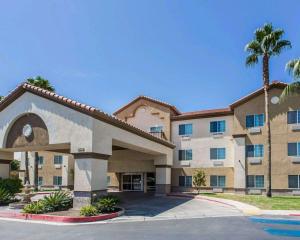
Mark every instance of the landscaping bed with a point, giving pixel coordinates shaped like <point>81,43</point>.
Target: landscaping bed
<point>262,202</point>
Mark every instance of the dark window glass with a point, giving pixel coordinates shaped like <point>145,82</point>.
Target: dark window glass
<point>181,155</point>
<point>250,181</point>
<point>188,181</point>
<point>221,181</point>
<point>249,121</point>
<point>292,149</point>
<point>189,154</point>
<point>250,151</point>
<point>259,181</point>
<point>213,153</point>
<point>293,181</point>
<point>181,181</point>
<point>213,181</point>
<point>292,117</point>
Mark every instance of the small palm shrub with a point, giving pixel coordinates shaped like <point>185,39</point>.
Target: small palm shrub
<point>88,211</point>
<point>5,196</point>
<point>35,207</point>
<point>58,201</point>
<point>107,204</point>
<point>11,185</point>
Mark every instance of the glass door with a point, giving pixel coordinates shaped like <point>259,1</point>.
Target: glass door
<point>132,182</point>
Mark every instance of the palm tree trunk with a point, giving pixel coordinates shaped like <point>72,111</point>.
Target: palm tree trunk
<point>36,170</point>
<point>266,80</point>
<point>27,180</point>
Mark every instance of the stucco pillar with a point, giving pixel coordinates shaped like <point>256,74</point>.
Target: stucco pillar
<point>239,163</point>
<point>163,179</point>
<point>90,177</point>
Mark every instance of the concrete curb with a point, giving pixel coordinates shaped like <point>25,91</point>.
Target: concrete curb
<point>61,219</point>
<point>244,208</point>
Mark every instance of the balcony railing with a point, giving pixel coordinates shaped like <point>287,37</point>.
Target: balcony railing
<point>159,135</point>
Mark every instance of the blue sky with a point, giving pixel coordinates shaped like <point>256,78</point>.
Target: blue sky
<point>105,53</point>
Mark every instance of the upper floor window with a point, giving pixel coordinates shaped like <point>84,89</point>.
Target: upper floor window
<point>156,129</point>
<point>217,153</point>
<point>217,181</point>
<point>41,160</point>
<point>294,181</point>
<point>255,181</point>
<point>294,149</point>
<point>293,117</point>
<point>58,159</point>
<point>217,126</point>
<point>185,154</point>
<point>185,181</point>
<point>256,120</point>
<point>255,150</point>
<point>186,129</point>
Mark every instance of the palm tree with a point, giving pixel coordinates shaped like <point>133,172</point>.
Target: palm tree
<point>267,43</point>
<point>45,84</point>
<point>293,67</point>
<point>41,82</point>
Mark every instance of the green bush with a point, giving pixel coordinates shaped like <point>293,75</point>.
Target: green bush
<point>88,211</point>
<point>35,207</point>
<point>58,201</point>
<point>5,197</point>
<point>107,204</point>
<point>11,185</point>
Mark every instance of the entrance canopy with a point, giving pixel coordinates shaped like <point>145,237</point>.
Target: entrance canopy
<point>34,119</point>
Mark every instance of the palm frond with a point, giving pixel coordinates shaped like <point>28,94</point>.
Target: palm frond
<point>292,89</point>
<point>293,67</point>
<point>251,60</point>
<point>268,28</point>
<point>281,45</point>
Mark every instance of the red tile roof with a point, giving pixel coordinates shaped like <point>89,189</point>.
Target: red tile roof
<point>83,108</point>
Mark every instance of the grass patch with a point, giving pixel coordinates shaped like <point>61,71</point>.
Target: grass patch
<point>263,202</point>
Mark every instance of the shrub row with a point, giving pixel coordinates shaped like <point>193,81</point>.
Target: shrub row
<point>11,185</point>
<point>58,201</point>
<point>106,204</point>
<point>5,197</point>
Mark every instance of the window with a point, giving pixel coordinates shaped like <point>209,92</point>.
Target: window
<point>156,129</point>
<point>185,181</point>
<point>293,117</point>
<point>185,154</point>
<point>186,129</point>
<point>57,180</point>
<point>40,181</point>
<point>256,120</point>
<point>217,153</point>
<point>217,181</point>
<point>217,126</point>
<point>294,149</point>
<point>255,150</point>
<point>255,181</point>
<point>41,160</point>
<point>58,159</point>
<point>294,181</point>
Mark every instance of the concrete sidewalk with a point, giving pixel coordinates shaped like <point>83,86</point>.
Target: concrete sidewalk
<point>246,209</point>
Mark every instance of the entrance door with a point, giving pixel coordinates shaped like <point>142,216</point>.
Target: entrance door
<point>132,182</point>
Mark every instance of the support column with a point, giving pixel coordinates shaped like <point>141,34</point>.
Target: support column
<point>90,177</point>
<point>163,179</point>
<point>239,163</point>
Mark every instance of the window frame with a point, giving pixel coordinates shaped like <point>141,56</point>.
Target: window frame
<point>297,149</point>
<point>254,120</point>
<point>40,182</point>
<point>254,150</point>
<point>39,160</point>
<point>156,127</point>
<point>57,177</point>
<point>218,153</point>
<point>184,125</point>
<point>218,177</point>
<point>255,180</point>
<point>297,116</point>
<point>55,159</point>
<point>298,181</point>
<point>218,126</point>
<point>190,181</point>
<point>185,153</point>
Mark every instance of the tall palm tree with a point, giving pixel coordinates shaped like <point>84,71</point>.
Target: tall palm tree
<point>267,43</point>
<point>42,83</point>
<point>293,67</point>
<point>45,84</point>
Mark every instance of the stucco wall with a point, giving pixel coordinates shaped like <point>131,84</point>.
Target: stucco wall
<point>202,140</point>
<point>282,165</point>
